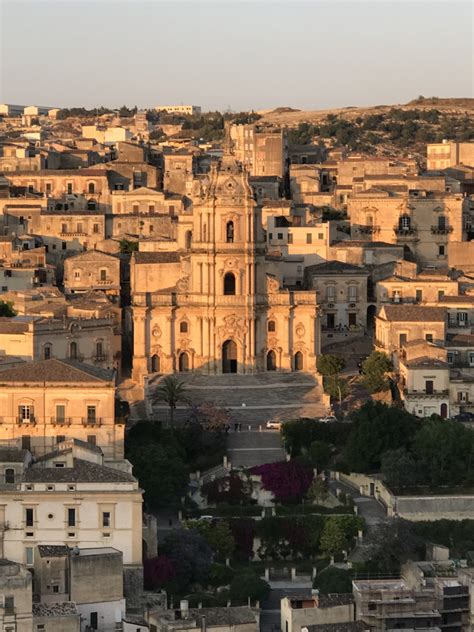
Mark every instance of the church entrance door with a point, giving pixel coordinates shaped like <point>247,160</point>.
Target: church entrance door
<point>229,357</point>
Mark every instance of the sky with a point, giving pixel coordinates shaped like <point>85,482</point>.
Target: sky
<point>238,55</point>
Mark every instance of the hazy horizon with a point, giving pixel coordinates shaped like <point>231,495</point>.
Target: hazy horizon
<point>242,55</point>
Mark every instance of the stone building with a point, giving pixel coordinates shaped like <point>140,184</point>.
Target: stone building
<point>92,270</point>
<point>299,613</point>
<point>15,597</point>
<point>211,306</point>
<point>424,222</point>
<point>341,291</point>
<point>91,578</point>
<point>263,152</point>
<point>449,154</point>
<point>396,325</point>
<point>70,497</point>
<point>34,337</point>
<point>43,403</point>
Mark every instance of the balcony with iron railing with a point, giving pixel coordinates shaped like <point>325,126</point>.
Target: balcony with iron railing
<point>61,421</point>
<point>459,324</point>
<point>92,421</point>
<point>408,233</point>
<point>24,421</point>
<point>414,394</point>
<point>441,230</point>
<point>369,230</point>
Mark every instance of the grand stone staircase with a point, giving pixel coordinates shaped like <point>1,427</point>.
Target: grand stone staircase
<point>252,399</point>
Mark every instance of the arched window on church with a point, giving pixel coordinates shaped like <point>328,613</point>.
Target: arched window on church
<point>271,326</point>
<point>229,284</point>
<point>229,232</point>
<point>183,327</point>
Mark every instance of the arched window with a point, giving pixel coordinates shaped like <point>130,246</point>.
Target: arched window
<point>73,350</point>
<point>188,240</point>
<point>229,232</point>
<point>183,362</point>
<point>271,326</point>
<point>47,351</point>
<point>404,223</point>
<point>298,361</point>
<point>91,187</point>
<point>183,327</point>
<point>91,205</point>
<point>229,284</point>
<point>271,361</point>
<point>9,476</point>
<point>155,363</point>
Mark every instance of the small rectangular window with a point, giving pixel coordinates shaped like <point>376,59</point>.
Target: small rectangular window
<point>309,238</point>
<point>106,519</point>
<point>92,439</point>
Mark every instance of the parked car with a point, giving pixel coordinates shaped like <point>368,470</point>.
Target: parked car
<point>328,419</point>
<point>464,417</point>
<point>273,425</point>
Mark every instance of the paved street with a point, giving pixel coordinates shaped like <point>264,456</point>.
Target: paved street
<point>246,449</point>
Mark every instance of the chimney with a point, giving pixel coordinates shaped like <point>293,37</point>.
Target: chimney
<point>184,608</point>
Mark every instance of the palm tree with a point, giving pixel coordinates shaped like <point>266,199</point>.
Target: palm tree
<point>171,391</point>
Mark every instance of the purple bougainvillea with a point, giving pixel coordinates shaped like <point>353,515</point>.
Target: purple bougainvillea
<point>158,571</point>
<point>287,480</point>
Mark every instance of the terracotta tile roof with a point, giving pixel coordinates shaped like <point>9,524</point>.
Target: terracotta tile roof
<point>53,550</point>
<point>414,313</point>
<point>61,371</point>
<point>60,609</point>
<point>330,267</point>
<point>12,455</point>
<point>156,257</point>
<point>12,326</point>
<point>469,300</point>
<point>425,362</point>
<point>82,472</point>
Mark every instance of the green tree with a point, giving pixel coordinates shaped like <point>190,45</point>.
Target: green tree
<point>318,492</point>
<point>161,472</point>
<point>171,391</point>
<point>333,580</point>
<point>319,454</point>
<point>374,372</point>
<point>6,309</point>
<point>376,429</point>
<point>393,543</point>
<point>444,451</point>
<point>217,534</point>
<point>399,468</point>
<point>333,538</point>
<point>127,246</point>
<point>248,585</point>
<point>329,365</point>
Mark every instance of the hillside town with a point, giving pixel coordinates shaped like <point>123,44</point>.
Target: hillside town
<point>237,369</point>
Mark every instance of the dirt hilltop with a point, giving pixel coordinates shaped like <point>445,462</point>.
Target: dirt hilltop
<point>291,117</point>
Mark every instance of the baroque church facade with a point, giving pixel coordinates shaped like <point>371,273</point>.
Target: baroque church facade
<point>208,301</point>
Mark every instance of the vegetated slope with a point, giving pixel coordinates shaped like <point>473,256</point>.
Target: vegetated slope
<point>402,130</point>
